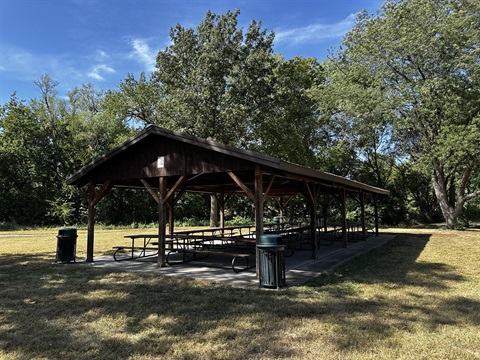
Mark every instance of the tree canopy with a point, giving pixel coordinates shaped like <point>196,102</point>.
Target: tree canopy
<point>413,68</point>
<point>215,78</point>
<point>397,106</point>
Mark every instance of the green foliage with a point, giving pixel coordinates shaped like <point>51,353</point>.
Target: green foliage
<point>42,143</point>
<point>238,221</point>
<point>139,102</point>
<point>395,105</point>
<point>215,78</point>
<point>411,72</point>
<point>289,130</point>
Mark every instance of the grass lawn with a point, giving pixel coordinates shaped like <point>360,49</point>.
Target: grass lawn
<point>418,297</point>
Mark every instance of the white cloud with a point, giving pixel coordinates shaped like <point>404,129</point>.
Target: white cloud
<point>315,32</point>
<point>96,71</point>
<point>142,52</point>
<point>101,55</point>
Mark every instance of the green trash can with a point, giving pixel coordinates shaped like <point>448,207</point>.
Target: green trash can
<point>66,245</point>
<point>271,261</point>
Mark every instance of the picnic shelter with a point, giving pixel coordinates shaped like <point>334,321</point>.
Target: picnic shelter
<point>168,163</point>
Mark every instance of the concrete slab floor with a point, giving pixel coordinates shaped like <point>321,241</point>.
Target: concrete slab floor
<point>298,268</point>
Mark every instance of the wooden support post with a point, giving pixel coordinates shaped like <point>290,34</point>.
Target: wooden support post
<point>93,199</point>
<point>169,199</point>
<point>281,206</point>
<point>162,193</point>
<point>91,221</point>
<point>376,213</point>
<point>244,187</point>
<point>259,199</point>
<point>313,229</point>
<point>343,209</point>
<point>362,215</point>
<point>311,194</point>
<point>325,213</point>
<point>222,200</point>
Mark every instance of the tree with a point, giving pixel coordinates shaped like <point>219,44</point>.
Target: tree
<point>420,59</point>
<point>290,129</point>
<point>215,78</point>
<point>44,141</point>
<point>139,101</point>
<point>96,123</point>
<point>21,155</point>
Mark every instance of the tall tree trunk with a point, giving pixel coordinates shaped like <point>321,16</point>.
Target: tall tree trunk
<point>213,211</point>
<point>451,210</point>
<point>440,186</point>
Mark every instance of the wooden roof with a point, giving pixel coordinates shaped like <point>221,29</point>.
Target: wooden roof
<point>205,163</point>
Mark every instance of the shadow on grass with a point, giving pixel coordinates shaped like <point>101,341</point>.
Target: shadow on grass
<point>421,288</point>
<point>63,311</point>
<point>394,264</point>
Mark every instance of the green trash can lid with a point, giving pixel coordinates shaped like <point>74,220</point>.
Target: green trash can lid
<point>270,239</point>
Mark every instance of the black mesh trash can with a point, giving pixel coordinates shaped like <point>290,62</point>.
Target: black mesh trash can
<point>271,261</point>
<point>66,245</point>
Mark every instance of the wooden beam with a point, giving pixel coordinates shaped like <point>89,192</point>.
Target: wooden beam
<point>313,229</point>
<point>258,201</point>
<point>179,195</point>
<point>309,195</point>
<point>269,186</point>
<point>376,213</point>
<point>222,199</point>
<point>362,215</point>
<point>150,190</point>
<point>170,193</point>
<point>91,221</point>
<point>229,196</point>
<point>244,187</point>
<point>357,199</point>
<point>302,189</point>
<point>162,192</point>
<point>325,212</point>
<point>107,185</point>
<point>93,199</point>
<point>343,209</point>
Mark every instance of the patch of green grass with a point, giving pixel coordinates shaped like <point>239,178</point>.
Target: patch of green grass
<point>417,297</point>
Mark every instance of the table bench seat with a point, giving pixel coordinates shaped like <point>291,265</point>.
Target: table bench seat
<point>131,249</point>
<point>205,253</point>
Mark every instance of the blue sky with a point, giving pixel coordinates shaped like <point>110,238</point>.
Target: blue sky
<point>101,41</point>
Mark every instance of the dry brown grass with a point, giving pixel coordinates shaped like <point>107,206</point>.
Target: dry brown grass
<point>417,297</point>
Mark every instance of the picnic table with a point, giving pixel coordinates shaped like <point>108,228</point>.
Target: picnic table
<point>135,250</point>
<point>354,232</point>
<point>292,237</point>
<point>197,247</point>
<point>235,241</point>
